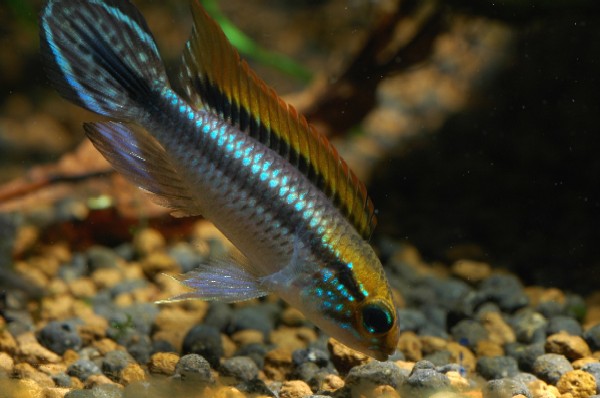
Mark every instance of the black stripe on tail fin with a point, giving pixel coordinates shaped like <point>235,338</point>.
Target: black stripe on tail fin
<point>101,55</point>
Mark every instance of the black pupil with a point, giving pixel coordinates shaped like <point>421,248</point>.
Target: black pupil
<point>376,319</point>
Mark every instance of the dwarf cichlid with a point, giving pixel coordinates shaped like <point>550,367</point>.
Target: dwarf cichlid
<point>232,151</point>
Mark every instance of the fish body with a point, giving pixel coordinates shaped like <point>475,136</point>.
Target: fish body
<point>235,153</point>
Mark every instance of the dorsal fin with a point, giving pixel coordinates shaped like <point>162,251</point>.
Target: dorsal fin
<point>215,77</point>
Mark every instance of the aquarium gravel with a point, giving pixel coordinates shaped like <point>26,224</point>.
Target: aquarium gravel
<point>92,329</point>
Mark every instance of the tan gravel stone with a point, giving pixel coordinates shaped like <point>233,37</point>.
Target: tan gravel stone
<point>457,382</point>
<point>411,346</point>
<point>578,383</point>
<point>7,342</point>
<point>431,344</point>
<point>488,348</point>
<point>462,355</point>
<point>581,362</point>
<point>158,262</point>
<point>225,392</point>
<point>540,389</point>
<point>471,271</point>
<point>173,323</point>
<point>148,241</point>
<point>278,364</point>
<point>52,368</point>
<point>6,363</point>
<point>106,277</point>
<point>26,371</point>
<point>163,363</point>
<point>132,373</point>
<point>57,307</point>
<point>385,392</point>
<point>292,339</point>
<point>229,346</point>
<point>292,317</point>
<point>573,347</point>
<point>248,336</point>
<point>55,392</point>
<point>82,288</point>
<point>31,351</point>
<point>98,380</point>
<point>294,389</point>
<point>27,388</point>
<point>345,358</point>
<point>331,383</point>
<point>70,356</point>
<point>498,330</point>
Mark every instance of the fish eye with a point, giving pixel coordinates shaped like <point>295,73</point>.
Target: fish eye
<point>377,318</point>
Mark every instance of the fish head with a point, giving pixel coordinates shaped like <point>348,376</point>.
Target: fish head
<point>350,300</point>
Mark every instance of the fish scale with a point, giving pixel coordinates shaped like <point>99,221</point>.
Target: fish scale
<point>287,201</point>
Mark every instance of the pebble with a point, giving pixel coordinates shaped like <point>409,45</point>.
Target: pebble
<point>114,362</point>
<point>376,373</point>
<point>529,326</point>
<point>425,379</point>
<point>498,330</point>
<point>471,271</point>
<point>563,323</point>
<point>550,367</point>
<point>592,337</point>
<point>148,241</point>
<point>411,346</point>
<point>498,367</point>
<point>469,333</point>
<point>578,383</point>
<point>132,373</point>
<point>278,364</point>
<point>240,368</point>
<point>345,358</point>
<point>294,389</point>
<point>193,367</point>
<point>573,347</point>
<point>505,290</point>
<point>502,388</point>
<point>594,370</point>
<point>7,364</point>
<point>526,355</point>
<point>60,336</point>
<point>204,341</point>
<point>83,369</point>
<point>99,257</point>
<point>163,363</point>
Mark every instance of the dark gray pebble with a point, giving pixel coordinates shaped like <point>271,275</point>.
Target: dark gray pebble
<point>60,336</point>
<point>114,362</point>
<point>205,341</point>
<point>469,333</point>
<point>451,292</point>
<point>261,317</point>
<point>594,370</point>
<point>529,326</point>
<point>424,379</point>
<point>305,372</point>
<point>218,315</point>
<point>314,355</point>
<point>563,323</point>
<point>497,367</point>
<point>240,368</point>
<point>62,380</point>
<point>504,289</point>
<point>502,388</point>
<point>550,367</point>
<point>75,269</point>
<point>376,373</point>
<point>126,251</point>
<point>550,308</point>
<point>127,286</point>
<point>592,337</point>
<point>254,351</point>
<point>162,346</point>
<point>101,257</point>
<point>439,358</point>
<point>410,319</point>
<point>193,367</point>
<point>82,369</point>
<point>525,354</point>
<point>255,387</point>
<point>186,256</point>
<point>140,348</point>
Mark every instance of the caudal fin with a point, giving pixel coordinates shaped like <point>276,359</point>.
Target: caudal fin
<point>101,55</point>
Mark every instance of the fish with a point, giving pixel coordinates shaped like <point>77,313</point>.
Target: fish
<point>230,149</point>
